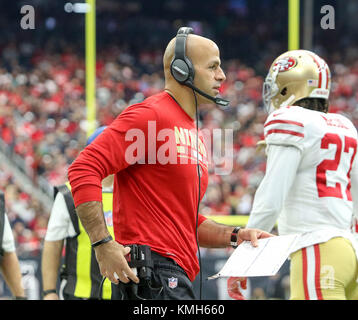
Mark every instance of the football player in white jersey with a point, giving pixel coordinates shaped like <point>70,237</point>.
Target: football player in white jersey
<point>311,181</point>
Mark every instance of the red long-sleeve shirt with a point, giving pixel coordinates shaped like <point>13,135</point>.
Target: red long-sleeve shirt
<point>151,148</point>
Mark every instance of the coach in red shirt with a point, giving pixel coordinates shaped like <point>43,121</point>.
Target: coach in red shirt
<point>152,149</point>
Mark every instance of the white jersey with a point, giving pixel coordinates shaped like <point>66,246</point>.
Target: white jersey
<point>59,225</point>
<point>8,241</point>
<point>317,199</point>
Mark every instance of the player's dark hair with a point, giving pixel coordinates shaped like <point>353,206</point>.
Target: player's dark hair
<point>317,104</point>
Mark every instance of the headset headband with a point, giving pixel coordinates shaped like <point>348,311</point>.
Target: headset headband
<point>180,44</point>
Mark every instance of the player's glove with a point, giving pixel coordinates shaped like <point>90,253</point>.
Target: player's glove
<point>233,287</point>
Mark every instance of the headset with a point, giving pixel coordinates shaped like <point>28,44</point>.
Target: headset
<point>183,70</point>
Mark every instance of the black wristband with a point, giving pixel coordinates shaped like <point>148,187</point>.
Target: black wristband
<point>104,240</point>
<point>46,292</point>
<point>233,239</point>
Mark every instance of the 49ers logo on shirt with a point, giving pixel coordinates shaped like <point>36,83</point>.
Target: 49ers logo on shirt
<point>285,64</point>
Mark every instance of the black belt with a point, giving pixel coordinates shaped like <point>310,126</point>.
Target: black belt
<point>153,261</point>
<point>162,261</point>
<point>143,257</point>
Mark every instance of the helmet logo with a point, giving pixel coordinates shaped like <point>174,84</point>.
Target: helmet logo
<point>285,64</point>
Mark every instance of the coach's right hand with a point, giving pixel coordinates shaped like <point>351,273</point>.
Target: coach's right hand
<point>113,264</point>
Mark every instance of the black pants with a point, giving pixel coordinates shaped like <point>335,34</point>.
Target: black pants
<point>168,282</point>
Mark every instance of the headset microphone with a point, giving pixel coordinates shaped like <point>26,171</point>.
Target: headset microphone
<point>221,103</point>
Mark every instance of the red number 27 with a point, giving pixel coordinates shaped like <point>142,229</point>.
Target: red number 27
<point>332,165</point>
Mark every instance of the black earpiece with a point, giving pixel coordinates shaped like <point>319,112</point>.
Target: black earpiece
<point>181,67</point>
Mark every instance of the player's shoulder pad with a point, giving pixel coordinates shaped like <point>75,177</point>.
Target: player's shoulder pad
<point>286,126</point>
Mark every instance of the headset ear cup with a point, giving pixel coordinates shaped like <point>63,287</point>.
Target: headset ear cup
<point>180,70</point>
